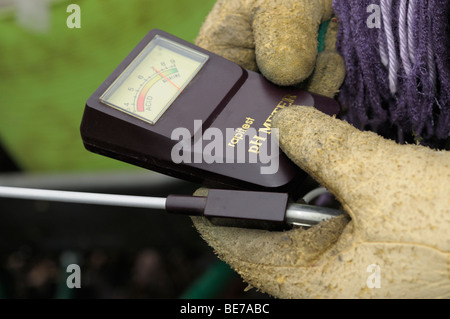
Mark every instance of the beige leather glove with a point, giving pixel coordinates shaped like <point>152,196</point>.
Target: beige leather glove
<point>394,241</point>
<point>278,37</point>
<point>397,243</point>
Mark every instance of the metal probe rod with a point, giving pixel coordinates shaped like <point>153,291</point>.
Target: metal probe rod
<point>83,198</point>
<point>308,215</point>
<point>296,214</point>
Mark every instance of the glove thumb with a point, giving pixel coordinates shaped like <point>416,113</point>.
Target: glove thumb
<point>377,181</point>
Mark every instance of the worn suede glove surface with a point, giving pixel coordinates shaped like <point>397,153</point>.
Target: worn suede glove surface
<point>278,38</point>
<point>394,242</point>
<point>398,199</point>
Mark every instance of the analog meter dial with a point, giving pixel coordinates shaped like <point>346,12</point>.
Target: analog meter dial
<point>156,77</point>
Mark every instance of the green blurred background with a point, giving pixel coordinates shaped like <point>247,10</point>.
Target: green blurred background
<point>47,76</point>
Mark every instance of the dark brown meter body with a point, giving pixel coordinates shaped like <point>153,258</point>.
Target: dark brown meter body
<point>167,84</point>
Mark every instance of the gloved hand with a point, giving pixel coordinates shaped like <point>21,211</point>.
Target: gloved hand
<point>394,241</point>
<point>397,243</point>
<point>278,37</point>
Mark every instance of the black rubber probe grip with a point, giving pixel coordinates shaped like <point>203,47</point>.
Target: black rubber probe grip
<point>262,210</point>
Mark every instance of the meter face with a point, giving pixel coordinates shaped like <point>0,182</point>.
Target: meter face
<point>154,79</point>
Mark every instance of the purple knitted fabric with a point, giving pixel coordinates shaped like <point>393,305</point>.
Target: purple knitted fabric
<point>398,75</point>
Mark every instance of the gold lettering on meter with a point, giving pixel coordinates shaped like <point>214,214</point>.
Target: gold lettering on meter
<point>240,132</point>
<point>257,140</point>
<point>287,101</point>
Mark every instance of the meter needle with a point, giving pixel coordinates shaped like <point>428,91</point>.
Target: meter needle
<point>165,77</point>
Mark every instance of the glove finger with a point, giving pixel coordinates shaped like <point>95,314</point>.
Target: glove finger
<point>329,72</point>
<point>227,32</point>
<point>286,38</point>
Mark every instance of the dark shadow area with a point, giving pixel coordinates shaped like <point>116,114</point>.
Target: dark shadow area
<point>122,252</point>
